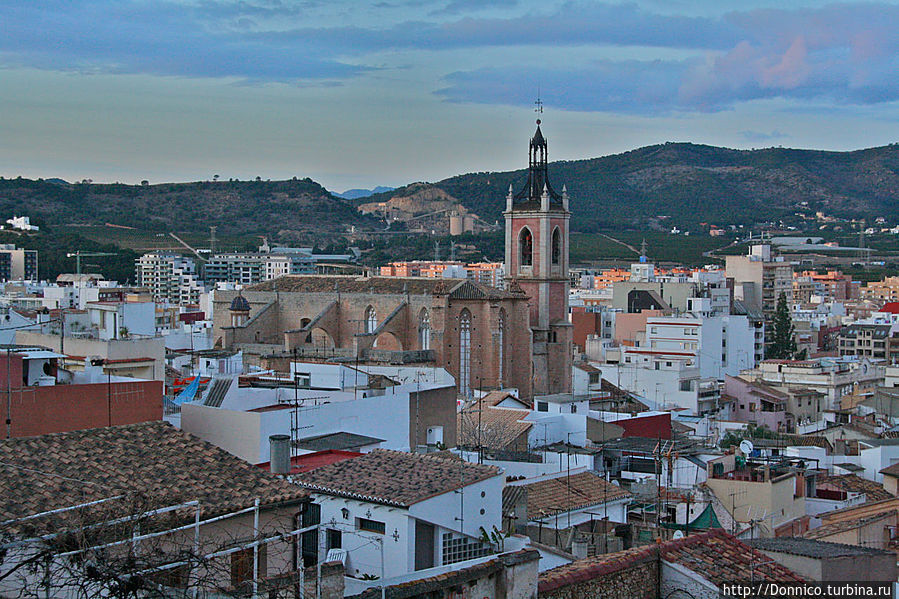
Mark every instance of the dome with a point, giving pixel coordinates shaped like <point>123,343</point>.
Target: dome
<point>240,304</point>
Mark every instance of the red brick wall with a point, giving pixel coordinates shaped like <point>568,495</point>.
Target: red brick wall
<point>61,408</point>
<point>585,323</point>
<point>653,427</point>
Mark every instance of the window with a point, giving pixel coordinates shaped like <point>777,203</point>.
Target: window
<point>658,365</point>
<point>424,329</point>
<point>333,538</point>
<point>242,565</point>
<point>459,548</point>
<point>542,406</point>
<point>370,525</point>
<point>668,364</point>
<point>573,409</point>
<point>525,247</point>
<point>501,340</point>
<point>556,247</point>
<point>371,320</point>
<point>465,353</point>
<point>685,385</point>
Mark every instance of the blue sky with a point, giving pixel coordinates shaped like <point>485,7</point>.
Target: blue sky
<point>357,94</point>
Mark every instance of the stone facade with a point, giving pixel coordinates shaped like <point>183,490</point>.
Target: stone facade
<point>537,262</point>
<point>473,331</point>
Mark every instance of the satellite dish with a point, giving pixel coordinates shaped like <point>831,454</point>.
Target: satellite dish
<point>679,534</point>
<point>746,447</point>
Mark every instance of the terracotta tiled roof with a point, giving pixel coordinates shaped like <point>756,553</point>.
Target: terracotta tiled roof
<point>714,555</point>
<point>828,530</point>
<point>594,567</point>
<point>891,470</point>
<point>394,477</point>
<point>854,484</point>
<point>552,496</point>
<point>493,428</point>
<point>439,584</point>
<point>153,459</point>
<point>720,558</point>
<point>457,289</point>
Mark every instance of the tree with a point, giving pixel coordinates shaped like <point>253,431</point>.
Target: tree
<point>783,346</point>
<point>133,546</point>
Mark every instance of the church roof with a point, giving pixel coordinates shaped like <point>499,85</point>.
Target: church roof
<point>240,304</point>
<point>529,198</point>
<point>461,289</point>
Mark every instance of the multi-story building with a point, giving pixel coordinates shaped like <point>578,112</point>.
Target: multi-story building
<point>886,290</point>
<point>831,376</point>
<point>720,344</point>
<point>488,273</point>
<point>170,277</point>
<point>877,341</point>
<point>241,268</point>
<point>17,264</point>
<point>759,279</point>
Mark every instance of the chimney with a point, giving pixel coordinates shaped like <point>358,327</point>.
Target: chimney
<point>280,450</point>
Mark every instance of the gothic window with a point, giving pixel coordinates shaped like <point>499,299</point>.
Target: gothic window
<point>371,320</point>
<point>502,341</point>
<point>465,353</point>
<point>525,247</point>
<point>424,329</point>
<point>557,247</point>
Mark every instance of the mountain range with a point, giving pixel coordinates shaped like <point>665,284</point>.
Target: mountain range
<point>673,183</point>
<point>690,183</point>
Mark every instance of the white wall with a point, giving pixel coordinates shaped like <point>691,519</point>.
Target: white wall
<point>234,431</point>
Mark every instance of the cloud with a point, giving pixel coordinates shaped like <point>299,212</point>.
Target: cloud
<point>761,136</point>
<point>839,54</point>
<point>835,55</point>
<point>208,39</point>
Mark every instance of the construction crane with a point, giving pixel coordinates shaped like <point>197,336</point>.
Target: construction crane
<point>79,254</point>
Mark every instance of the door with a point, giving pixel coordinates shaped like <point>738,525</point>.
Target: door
<point>424,545</point>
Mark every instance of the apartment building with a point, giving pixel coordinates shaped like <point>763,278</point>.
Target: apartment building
<point>170,277</point>
<point>17,264</point>
<point>758,279</point>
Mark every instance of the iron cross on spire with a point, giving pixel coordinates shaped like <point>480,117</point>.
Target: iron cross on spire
<point>538,105</point>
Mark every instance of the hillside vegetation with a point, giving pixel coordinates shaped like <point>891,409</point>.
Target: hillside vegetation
<point>289,209</point>
<point>695,183</point>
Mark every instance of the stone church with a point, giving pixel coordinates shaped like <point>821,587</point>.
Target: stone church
<point>485,337</point>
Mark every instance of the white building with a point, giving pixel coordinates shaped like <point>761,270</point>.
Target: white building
<point>663,379</point>
<point>393,512</point>
<point>170,277</point>
<point>325,399</point>
<point>22,223</point>
<point>721,345</point>
<point>834,377</point>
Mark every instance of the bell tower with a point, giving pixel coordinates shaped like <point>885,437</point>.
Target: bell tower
<point>537,220</point>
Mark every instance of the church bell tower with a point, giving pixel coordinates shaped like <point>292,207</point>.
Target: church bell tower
<point>537,220</point>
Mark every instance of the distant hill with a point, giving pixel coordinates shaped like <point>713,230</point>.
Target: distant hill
<point>355,194</point>
<point>693,183</point>
<point>295,207</point>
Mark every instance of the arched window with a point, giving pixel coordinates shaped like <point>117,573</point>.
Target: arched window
<point>424,329</point>
<point>501,341</point>
<point>525,247</point>
<point>371,320</point>
<point>465,353</point>
<point>557,247</point>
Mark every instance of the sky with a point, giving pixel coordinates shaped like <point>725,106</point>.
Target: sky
<point>359,94</point>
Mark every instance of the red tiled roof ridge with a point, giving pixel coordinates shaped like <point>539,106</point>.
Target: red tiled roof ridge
<point>587,569</point>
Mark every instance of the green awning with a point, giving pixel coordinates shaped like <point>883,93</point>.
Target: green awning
<point>705,520</point>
